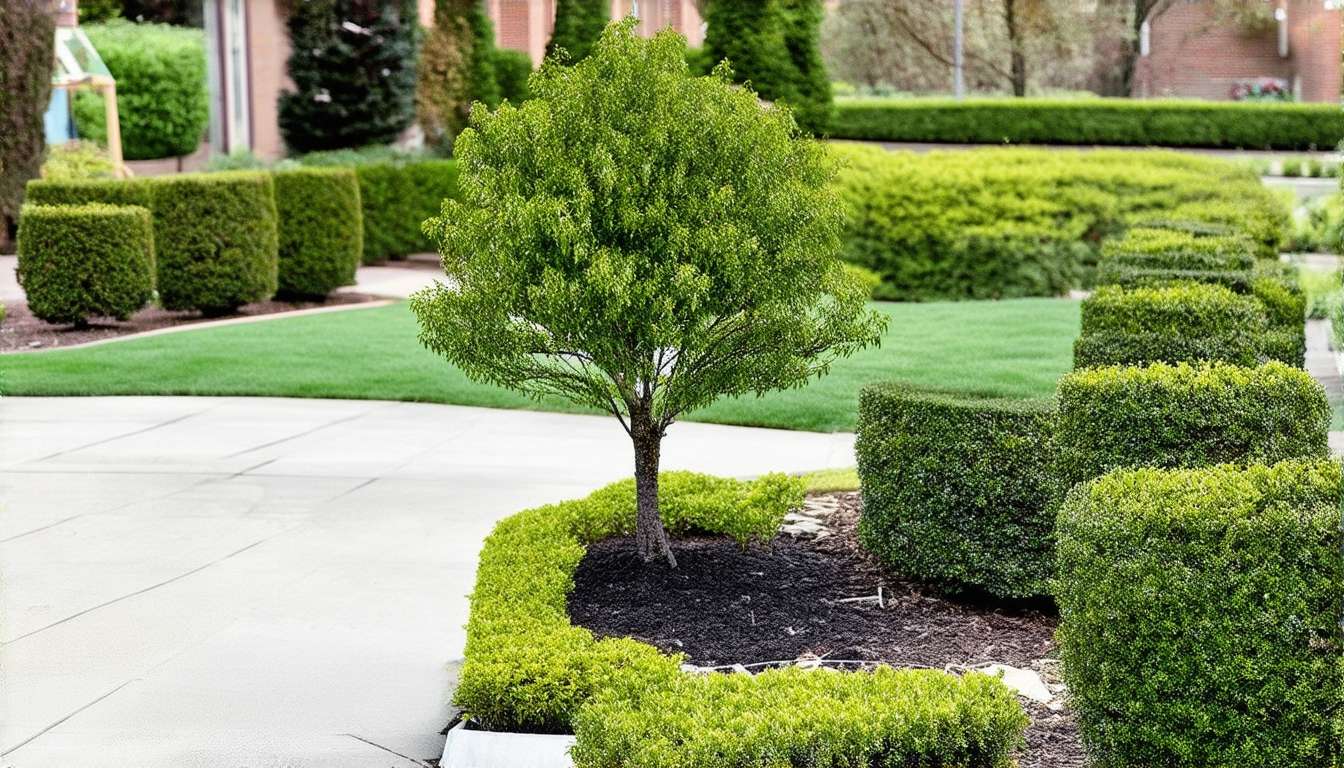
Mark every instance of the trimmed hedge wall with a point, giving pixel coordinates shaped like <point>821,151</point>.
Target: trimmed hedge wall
<point>321,230</point>
<point>1187,416</point>
<point>997,223</point>
<point>1127,122</point>
<point>528,669</point>
<point>1180,322</point>
<point>957,491</point>
<point>215,237</point>
<point>1200,615</point>
<point>84,261</point>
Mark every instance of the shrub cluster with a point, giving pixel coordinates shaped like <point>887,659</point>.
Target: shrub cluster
<point>997,223</point>
<point>78,262</point>
<point>321,230</point>
<point>1187,416</point>
<point>958,491</point>
<point>528,669</point>
<point>1178,322</point>
<point>161,94</point>
<point>1169,123</point>
<point>1200,615</point>
<point>459,65</point>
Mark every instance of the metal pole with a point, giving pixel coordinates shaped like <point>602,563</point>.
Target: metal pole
<point>958,65</point>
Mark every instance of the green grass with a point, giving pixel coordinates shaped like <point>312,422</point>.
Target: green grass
<point>1004,348</point>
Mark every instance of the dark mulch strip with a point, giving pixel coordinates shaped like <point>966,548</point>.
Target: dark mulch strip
<point>725,605</point>
<point>20,331</point>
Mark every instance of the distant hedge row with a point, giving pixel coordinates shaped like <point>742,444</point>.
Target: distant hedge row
<point>1121,122</point>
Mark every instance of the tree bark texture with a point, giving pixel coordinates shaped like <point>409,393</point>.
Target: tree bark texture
<point>650,535</point>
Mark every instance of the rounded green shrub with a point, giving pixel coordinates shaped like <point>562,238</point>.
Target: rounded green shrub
<point>958,491</point>
<point>77,262</point>
<point>512,70</point>
<point>321,230</point>
<point>161,94</point>
<point>1187,416</point>
<point>1182,322</point>
<point>1200,615</point>
<point>215,238</point>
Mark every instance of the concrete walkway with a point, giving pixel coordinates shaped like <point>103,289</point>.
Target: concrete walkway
<point>255,582</point>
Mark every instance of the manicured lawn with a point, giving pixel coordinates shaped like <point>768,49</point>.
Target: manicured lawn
<point>1012,348</point>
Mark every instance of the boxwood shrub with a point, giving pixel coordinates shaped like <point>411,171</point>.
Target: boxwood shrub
<point>1180,322</point>
<point>215,237</point>
<point>1200,615</point>
<point>528,669</point>
<point>77,262</point>
<point>958,491</point>
<point>1187,416</point>
<point>321,230</point>
<point>1149,122</point>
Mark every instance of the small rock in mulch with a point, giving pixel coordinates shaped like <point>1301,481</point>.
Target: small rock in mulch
<point>21,331</point>
<point>813,592</point>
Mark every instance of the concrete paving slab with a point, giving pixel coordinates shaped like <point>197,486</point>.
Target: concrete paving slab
<point>253,582</point>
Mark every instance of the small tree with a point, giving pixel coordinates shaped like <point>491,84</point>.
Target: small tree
<point>641,241</point>
<point>578,24</point>
<point>456,69</point>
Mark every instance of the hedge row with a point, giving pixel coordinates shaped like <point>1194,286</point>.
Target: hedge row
<point>528,669</point>
<point>1200,615</point>
<point>997,223</point>
<point>321,230</point>
<point>1125,122</point>
<point>82,261</point>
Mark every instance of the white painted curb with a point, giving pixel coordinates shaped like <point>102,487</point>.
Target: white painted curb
<point>491,749</point>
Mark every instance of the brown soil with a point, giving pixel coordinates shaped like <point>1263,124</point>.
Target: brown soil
<point>764,606</point>
<point>20,331</point>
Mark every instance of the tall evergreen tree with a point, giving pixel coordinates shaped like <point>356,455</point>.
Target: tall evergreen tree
<point>27,35</point>
<point>578,24</point>
<point>353,68</point>
<point>774,45</point>
<point>457,67</point>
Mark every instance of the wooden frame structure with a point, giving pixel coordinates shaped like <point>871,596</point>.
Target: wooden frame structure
<point>78,66</point>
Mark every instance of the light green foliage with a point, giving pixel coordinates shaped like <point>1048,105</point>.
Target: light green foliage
<point>321,231</point>
<point>1200,615</point>
<point>161,96</point>
<point>77,160</point>
<point>1322,287</point>
<point>1178,322</point>
<point>793,717</point>
<point>1156,122</point>
<point>958,491</point>
<point>641,241</point>
<point>1187,416</point>
<point>831,480</point>
<point>77,262</point>
<point>527,668</point>
<point>1322,229</point>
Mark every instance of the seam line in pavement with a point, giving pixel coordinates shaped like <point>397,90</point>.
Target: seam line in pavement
<point>114,438</point>
<point>297,435</point>
<point>30,739</point>
<point>385,749</point>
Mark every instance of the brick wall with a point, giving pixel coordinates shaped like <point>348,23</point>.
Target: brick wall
<point>1192,55</point>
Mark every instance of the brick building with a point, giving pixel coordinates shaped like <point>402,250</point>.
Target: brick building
<point>249,46</point>
<point>1186,51</point>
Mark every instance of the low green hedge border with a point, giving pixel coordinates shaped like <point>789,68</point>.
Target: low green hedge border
<point>1200,615</point>
<point>1120,122</point>
<point>528,669</point>
<point>1187,416</point>
<point>321,230</point>
<point>83,261</point>
<point>957,491</point>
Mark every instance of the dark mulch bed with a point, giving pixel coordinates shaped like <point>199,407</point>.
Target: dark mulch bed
<point>20,331</point>
<point>724,605</point>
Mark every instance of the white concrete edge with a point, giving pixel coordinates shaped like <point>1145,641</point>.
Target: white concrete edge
<point>211,324</point>
<point>495,749</point>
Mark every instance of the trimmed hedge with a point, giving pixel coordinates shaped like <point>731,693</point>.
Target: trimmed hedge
<point>1200,615</point>
<point>215,237</point>
<point>1179,322</point>
<point>83,261</point>
<point>321,230</point>
<point>956,491</point>
<point>794,717</point>
<point>1124,122</point>
<point>528,669</point>
<point>997,223</point>
<point>161,93</point>
<point>397,194</point>
<point>1187,416</point>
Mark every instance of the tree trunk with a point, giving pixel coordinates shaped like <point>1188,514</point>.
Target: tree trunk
<point>650,536</point>
<point>1018,60</point>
